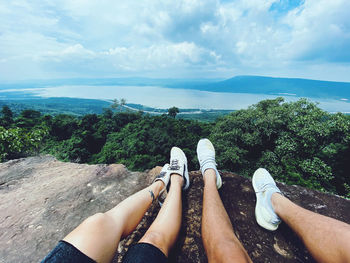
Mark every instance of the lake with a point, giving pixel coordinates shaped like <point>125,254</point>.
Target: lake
<point>160,97</point>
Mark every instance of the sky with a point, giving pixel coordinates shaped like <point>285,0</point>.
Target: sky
<point>42,39</point>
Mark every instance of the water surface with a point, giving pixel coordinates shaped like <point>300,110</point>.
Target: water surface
<point>160,97</point>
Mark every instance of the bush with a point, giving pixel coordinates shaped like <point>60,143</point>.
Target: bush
<point>17,142</point>
<point>298,142</point>
<point>147,142</point>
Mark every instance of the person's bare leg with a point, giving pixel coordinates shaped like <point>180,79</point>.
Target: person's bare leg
<point>326,238</point>
<point>220,242</point>
<point>164,230</point>
<point>98,236</point>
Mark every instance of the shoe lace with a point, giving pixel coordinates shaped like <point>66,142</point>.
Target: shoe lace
<point>264,187</point>
<point>207,160</point>
<point>174,165</point>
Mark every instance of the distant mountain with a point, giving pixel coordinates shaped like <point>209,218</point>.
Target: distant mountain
<point>239,84</point>
<point>282,86</point>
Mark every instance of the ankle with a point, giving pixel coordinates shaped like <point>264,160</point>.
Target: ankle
<point>176,179</point>
<point>209,176</point>
<point>275,201</point>
<point>157,186</point>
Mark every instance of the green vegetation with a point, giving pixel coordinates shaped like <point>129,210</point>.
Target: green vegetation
<point>55,106</point>
<point>147,141</point>
<point>173,111</point>
<point>81,107</point>
<point>204,116</point>
<point>297,142</point>
<point>20,136</point>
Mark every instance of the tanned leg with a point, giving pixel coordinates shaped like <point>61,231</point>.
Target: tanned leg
<point>98,236</point>
<point>220,242</point>
<point>164,230</point>
<point>327,239</point>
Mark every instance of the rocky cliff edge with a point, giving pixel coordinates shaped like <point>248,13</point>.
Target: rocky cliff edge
<point>42,200</point>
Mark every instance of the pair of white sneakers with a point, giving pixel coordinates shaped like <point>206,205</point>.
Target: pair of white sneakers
<point>178,164</point>
<point>263,184</point>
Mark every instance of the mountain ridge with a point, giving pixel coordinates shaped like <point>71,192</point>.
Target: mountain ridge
<point>273,85</point>
<point>299,87</point>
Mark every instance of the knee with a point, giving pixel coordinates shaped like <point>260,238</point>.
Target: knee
<point>156,239</point>
<point>99,220</point>
<point>228,251</point>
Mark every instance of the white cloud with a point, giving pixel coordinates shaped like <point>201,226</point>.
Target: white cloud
<point>27,44</point>
<point>69,52</point>
<point>320,30</point>
<point>169,55</point>
<point>200,37</point>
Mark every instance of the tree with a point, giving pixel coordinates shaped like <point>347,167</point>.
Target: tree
<point>173,111</point>
<point>146,142</point>
<point>7,117</point>
<point>118,105</point>
<point>122,102</point>
<point>17,142</point>
<point>115,105</point>
<point>28,119</point>
<point>63,126</point>
<point>107,113</point>
<point>297,142</point>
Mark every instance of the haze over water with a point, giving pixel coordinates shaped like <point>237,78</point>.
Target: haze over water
<point>160,97</point>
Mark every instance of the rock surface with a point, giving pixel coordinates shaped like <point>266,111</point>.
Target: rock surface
<point>42,200</point>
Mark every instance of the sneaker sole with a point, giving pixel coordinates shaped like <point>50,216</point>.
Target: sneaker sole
<point>218,181</point>
<point>260,211</point>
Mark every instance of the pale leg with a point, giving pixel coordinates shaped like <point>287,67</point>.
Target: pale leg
<point>98,236</point>
<point>164,230</point>
<point>327,239</point>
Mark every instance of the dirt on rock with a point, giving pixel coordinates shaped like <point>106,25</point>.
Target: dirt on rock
<point>42,200</point>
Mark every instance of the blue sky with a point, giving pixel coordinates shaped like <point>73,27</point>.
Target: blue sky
<point>42,39</point>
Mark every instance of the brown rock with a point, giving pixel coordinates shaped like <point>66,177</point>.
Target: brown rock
<point>42,200</point>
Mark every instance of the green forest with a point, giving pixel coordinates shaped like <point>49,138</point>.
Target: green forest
<point>296,141</point>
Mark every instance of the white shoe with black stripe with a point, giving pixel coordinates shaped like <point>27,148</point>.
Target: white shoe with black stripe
<point>178,165</point>
<point>163,176</point>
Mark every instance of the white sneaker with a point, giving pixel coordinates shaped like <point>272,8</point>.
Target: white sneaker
<point>163,176</point>
<point>264,186</point>
<point>206,158</point>
<point>178,165</point>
